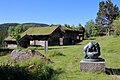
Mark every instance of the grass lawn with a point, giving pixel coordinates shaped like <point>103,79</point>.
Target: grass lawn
<point>67,59</point>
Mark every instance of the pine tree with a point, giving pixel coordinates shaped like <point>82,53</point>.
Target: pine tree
<point>106,14</point>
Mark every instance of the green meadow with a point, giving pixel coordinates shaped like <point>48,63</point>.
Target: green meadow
<point>66,59</point>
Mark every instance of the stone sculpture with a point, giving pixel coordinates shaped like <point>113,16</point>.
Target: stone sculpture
<point>92,61</point>
<point>92,52</point>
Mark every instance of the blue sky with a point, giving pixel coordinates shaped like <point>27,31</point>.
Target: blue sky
<point>70,12</point>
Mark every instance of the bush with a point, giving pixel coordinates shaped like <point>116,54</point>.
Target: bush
<point>8,72</point>
<point>31,69</point>
<point>43,72</point>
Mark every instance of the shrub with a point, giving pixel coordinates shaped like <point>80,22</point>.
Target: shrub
<point>31,69</point>
<point>8,72</point>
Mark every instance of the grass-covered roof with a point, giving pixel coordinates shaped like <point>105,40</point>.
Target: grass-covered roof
<point>70,28</point>
<point>39,30</point>
<point>66,28</point>
<point>36,31</point>
<point>9,38</point>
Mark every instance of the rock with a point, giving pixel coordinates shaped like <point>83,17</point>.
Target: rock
<point>18,55</point>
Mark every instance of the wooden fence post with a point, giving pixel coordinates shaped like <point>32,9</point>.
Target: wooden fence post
<point>46,46</point>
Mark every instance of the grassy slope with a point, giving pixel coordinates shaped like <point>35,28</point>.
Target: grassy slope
<point>68,63</point>
<point>110,48</point>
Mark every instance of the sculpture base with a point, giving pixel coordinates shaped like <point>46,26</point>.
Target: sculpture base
<point>92,66</point>
<point>94,60</point>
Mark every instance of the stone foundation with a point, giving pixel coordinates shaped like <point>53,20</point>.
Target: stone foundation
<point>92,66</point>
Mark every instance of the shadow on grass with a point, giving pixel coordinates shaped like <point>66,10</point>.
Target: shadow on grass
<point>57,48</point>
<point>50,48</point>
<point>57,53</point>
<point>5,51</point>
<point>92,38</point>
<point>112,71</point>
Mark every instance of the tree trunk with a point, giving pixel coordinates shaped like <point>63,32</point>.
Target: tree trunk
<point>108,27</point>
<point>108,31</point>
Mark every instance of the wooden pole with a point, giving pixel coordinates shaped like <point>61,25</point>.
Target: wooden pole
<point>46,46</point>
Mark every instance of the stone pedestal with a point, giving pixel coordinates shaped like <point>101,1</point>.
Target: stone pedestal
<point>92,66</point>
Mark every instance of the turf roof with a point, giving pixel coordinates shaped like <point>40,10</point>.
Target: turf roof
<point>69,28</point>
<point>36,31</point>
<point>9,38</point>
<point>39,30</point>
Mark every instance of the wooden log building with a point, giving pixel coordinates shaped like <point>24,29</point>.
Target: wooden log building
<point>55,35</point>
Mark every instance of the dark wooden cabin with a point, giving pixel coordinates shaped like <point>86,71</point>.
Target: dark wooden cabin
<point>55,35</point>
<point>71,36</point>
<point>10,43</point>
<point>37,36</point>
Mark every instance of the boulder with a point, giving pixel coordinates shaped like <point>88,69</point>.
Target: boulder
<point>18,55</point>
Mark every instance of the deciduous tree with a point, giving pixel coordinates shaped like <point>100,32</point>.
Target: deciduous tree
<point>91,29</point>
<point>116,26</point>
